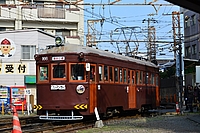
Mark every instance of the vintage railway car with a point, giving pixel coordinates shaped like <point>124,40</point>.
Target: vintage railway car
<point>73,80</point>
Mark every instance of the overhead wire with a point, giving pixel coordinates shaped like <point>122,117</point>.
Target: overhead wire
<point>108,20</point>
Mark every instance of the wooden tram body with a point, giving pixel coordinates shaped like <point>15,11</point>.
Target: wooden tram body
<point>78,79</point>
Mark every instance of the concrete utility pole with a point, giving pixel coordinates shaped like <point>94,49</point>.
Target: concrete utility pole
<point>178,47</point>
<point>151,46</point>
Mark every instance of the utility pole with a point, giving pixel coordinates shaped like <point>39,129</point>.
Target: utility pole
<point>151,46</point>
<point>91,36</point>
<point>178,47</point>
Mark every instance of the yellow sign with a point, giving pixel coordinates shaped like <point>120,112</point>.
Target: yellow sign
<point>80,106</point>
<point>37,107</point>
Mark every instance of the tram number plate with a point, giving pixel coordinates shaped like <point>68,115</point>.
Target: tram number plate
<point>57,87</point>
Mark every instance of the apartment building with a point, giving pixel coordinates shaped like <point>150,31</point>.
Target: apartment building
<point>26,27</point>
<point>191,45</point>
<point>57,17</point>
<point>191,34</point>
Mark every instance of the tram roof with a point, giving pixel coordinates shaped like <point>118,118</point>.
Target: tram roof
<point>74,48</point>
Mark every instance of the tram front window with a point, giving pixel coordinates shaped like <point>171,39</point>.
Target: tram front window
<point>77,72</point>
<point>43,70</point>
<point>59,71</point>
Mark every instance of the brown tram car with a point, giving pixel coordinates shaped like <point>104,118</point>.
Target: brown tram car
<point>72,80</point>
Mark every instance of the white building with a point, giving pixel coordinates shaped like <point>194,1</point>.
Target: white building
<point>56,17</point>
<point>17,50</point>
<point>26,27</point>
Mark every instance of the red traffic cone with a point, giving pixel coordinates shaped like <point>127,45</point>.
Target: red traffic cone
<point>177,108</point>
<point>16,123</point>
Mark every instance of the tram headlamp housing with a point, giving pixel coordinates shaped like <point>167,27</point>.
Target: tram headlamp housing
<point>59,40</point>
<point>80,89</point>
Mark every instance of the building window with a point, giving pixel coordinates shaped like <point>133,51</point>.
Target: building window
<point>193,21</point>
<point>194,49</point>
<point>187,51</point>
<point>2,1</point>
<point>59,5</point>
<point>62,32</point>
<point>74,33</point>
<point>187,23</point>
<point>2,29</point>
<point>28,51</point>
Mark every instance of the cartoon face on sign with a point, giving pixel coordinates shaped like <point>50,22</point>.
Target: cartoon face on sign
<point>7,48</point>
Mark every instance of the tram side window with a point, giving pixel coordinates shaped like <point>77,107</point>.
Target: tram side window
<point>137,77</point>
<point>116,73</point>
<point>147,78</point>
<point>43,70</point>
<point>125,75</point>
<point>59,71</point>
<point>133,77</point>
<point>100,73</point>
<point>111,73</point>
<point>129,73</point>
<point>141,77</point>
<point>77,72</point>
<point>152,79</point>
<point>105,73</point>
<point>144,77</point>
<point>156,80</point>
<point>120,75</point>
<point>92,73</point>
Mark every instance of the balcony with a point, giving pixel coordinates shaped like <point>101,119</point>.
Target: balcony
<point>54,13</point>
<point>40,14</point>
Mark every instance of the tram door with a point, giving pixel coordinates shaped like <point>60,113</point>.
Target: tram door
<point>93,87</point>
<point>132,90</point>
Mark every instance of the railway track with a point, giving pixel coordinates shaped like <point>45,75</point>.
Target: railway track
<point>34,125</point>
<point>6,123</point>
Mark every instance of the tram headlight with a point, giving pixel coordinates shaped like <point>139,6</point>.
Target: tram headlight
<point>80,89</point>
<point>59,40</point>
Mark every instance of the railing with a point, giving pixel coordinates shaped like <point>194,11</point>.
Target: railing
<point>38,13</point>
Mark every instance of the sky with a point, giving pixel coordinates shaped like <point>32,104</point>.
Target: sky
<point>131,18</point>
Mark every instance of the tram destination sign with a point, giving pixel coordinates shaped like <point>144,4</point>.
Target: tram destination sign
<point>55,58</point>
<point>57,87</point>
